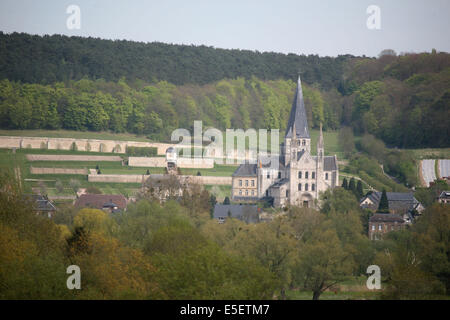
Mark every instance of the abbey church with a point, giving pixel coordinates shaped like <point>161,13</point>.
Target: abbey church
<point>300,177</point>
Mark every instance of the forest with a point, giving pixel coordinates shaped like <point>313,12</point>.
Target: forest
<point>146,253</point>
<point>58,82</point>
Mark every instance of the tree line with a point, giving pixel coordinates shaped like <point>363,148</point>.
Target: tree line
<point>175,250</point>
<point>92,84</point>
<point>156,109</point>
<point>48,59</point>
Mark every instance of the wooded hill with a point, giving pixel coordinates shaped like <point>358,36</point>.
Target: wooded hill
<point>47,59</point>
<point>54,82</point>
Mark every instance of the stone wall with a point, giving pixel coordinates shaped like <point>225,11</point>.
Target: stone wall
<point>34,170</point>
<point>63,157</point>
<point>135,178</point>
<point>93,145</point>
<point>117,178</point>
<point>161,162</point>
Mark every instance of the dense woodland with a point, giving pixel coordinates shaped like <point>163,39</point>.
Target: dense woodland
<point>75,83</point>
<point>147,253</point>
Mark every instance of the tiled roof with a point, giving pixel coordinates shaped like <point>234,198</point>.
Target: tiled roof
<point>40,203</point>
<point>245,170</point>
<point>248,213</point>
<point>98,201</point>
<point>445,195</point>
<point>398,201</point>
<point>329,163</point>
<point>280,183</point>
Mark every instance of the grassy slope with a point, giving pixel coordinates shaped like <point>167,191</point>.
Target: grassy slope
<point>74,134</point>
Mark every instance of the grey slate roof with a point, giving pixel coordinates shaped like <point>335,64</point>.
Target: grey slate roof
<point>247,213</point>
<point>300,154</point>
<point>444,195</point>
<point>40,203</point>
<point>329,163</point>
<point>245,170</point>
<point>386,217</point>
<point>401,202</point>
<point>298,115</point>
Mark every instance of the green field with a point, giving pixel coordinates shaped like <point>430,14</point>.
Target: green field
<point>75,135</point>
<point>10,161</point>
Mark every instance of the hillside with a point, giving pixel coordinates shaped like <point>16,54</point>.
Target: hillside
<point>36,59</point>
<point>86,84</point>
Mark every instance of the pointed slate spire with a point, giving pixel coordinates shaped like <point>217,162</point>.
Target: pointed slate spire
<point>298,115</point>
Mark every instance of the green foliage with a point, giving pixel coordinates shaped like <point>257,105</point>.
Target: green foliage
<point>359,190</point>
<point>345,183</point>
<point>383,207</point>
<point>142,151</point>
<point>60,58</point>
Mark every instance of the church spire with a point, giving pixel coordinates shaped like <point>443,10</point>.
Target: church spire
<point>298,115</point>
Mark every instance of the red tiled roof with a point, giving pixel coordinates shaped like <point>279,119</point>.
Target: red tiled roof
<point>97,201</point>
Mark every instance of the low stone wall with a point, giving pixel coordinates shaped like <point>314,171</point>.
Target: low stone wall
<point>93,145</point>
<point>211,180</point>
<point>34,170</point>
<point>161,162</point>
<point>146,162</point>
<point>135,178</point>
<point>62,157</point>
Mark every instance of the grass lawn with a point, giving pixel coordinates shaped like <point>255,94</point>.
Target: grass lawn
<point>218,170</point>
<point>328,295</point>
<point>75,134</point>
<point>354,288</point>
<point>431,153</point>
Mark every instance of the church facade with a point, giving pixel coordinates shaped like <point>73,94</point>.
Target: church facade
<point>299,177</point>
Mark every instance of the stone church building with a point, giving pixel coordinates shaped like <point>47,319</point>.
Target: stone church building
<point>300,176</point>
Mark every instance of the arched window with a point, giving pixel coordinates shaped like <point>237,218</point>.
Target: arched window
<point>326,176</point>
<point>299,187</point>
<point>313,187</point>
<point>306,174</point>
<point>306,187</point>
<point>304,142</point>
<point>299,174</point>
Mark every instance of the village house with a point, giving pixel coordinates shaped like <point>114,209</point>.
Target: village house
<point>41,205</point>
<point>382,223</point>
<point>403,204</point>
<point>444,197</point>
